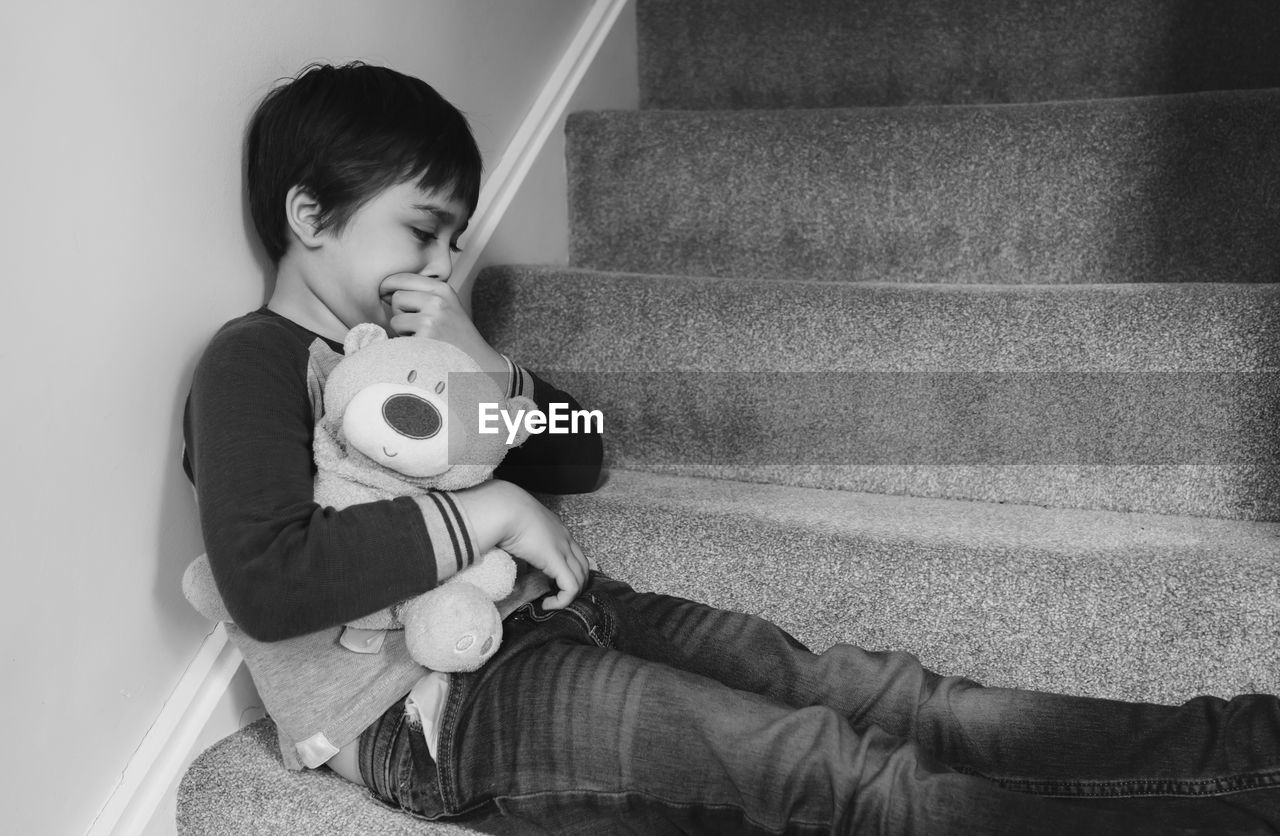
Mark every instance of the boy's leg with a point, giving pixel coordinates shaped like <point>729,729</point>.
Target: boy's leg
<point>1048,744</point>
<point>560,733</point>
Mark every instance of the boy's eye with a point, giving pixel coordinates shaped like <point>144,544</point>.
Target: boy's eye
<point>428,236</point>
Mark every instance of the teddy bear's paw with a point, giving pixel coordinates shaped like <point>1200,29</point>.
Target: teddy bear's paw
<point>453,628</point>
<point>201,592</point>
<point>494,574</point>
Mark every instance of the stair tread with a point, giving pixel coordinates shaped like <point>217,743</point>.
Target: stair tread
<point>928,520</point>
<point>585,318</point>
<point>1137,606</point>
<point>1126,605</point>
<point>1125,190</point>
<point>667,360</point>
<point>824,53</point>
<point>240,786</point>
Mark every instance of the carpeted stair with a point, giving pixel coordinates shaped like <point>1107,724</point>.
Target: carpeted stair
<point>1160,398</point>
<point>1158,189</point>
<point>942,327</point>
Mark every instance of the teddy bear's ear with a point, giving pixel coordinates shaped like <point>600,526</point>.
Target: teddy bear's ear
<point>362,336</point>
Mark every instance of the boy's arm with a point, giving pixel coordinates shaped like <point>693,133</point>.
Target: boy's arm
<point>284,565</point>
<point>545,463</point>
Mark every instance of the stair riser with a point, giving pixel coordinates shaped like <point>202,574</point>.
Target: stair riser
<point>838,53</point>
<point>1060,396</point>
<point>1136,190</point>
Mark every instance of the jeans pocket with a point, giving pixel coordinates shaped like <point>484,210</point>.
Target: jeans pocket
<point>589,615</point>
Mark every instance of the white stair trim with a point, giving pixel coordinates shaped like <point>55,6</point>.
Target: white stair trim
<point>546,114</point>
<point>166,747</point>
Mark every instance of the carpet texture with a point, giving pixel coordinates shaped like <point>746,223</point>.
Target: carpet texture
<point>1160,398</point>
<point>1135,606</point>
<point>240,786</point>
<point>838,53</point>
<point>943,327</point>
<point>1167,189</point>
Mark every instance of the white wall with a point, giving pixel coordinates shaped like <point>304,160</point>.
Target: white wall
<point>535,226</point>
<point>124,246</point>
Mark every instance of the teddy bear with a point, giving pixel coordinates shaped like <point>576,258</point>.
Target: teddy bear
<point>400,417</point>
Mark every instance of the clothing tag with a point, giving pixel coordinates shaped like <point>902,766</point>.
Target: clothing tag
<point>315,750</point>
<point>425,706</point>
<point>362,641</point>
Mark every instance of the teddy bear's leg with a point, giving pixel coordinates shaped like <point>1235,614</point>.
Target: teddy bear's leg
<point>454,627</point>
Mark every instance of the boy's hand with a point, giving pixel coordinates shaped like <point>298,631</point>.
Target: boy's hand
<point>430,308</point>
<point>505,516</point>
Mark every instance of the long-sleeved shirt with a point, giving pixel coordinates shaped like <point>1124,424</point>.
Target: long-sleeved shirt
<point>290,571</point>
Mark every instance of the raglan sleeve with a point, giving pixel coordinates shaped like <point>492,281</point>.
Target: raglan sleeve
<point>284,565</point>
<point>554,463</point>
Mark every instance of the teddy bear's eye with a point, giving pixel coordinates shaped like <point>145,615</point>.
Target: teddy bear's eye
<point>412,416</point>
<point>413,375</point>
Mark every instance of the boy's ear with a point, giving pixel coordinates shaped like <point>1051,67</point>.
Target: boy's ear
<point>303,213</point>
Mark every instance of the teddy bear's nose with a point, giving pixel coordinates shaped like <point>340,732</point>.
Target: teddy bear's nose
<point>412,416</point>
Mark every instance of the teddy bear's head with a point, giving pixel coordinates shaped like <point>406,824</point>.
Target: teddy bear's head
<point>413,405</point>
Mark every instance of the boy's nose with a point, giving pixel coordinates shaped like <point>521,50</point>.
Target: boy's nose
<point>441,267</point>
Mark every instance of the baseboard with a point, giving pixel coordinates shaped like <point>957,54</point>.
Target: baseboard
<point>547,113</point>
<point>167,747</point>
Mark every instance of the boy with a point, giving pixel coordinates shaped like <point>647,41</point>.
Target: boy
<point>362,217</point>
<point>605,709</point>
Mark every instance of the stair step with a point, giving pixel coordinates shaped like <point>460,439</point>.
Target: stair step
<point>839,53</point>
<point>239,786</point>
<point>1168,189</point>
<point>1158,398</point>
<point>1132,606</point>
<point>1129,606</point>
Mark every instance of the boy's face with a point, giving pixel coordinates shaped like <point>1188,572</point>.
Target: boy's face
<point>403,229</point>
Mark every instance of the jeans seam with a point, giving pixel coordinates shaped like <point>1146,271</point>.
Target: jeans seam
<point>445,778</point>
<point>1144,787</point>
<point>386,764</point>
<point>786,827</point>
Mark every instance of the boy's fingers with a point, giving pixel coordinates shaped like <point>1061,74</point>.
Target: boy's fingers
<point>568,584</point>
<point>409,281</point>
<point>415,283</point>
<point>406,302</point>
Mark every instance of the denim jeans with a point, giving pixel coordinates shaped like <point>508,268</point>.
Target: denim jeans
<point>641,713</point>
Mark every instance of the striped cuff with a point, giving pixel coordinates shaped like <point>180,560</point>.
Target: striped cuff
<point>452,541</point>
<point>519,381</point>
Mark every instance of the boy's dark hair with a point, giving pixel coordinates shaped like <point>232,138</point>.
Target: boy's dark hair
<point>346,133</point>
